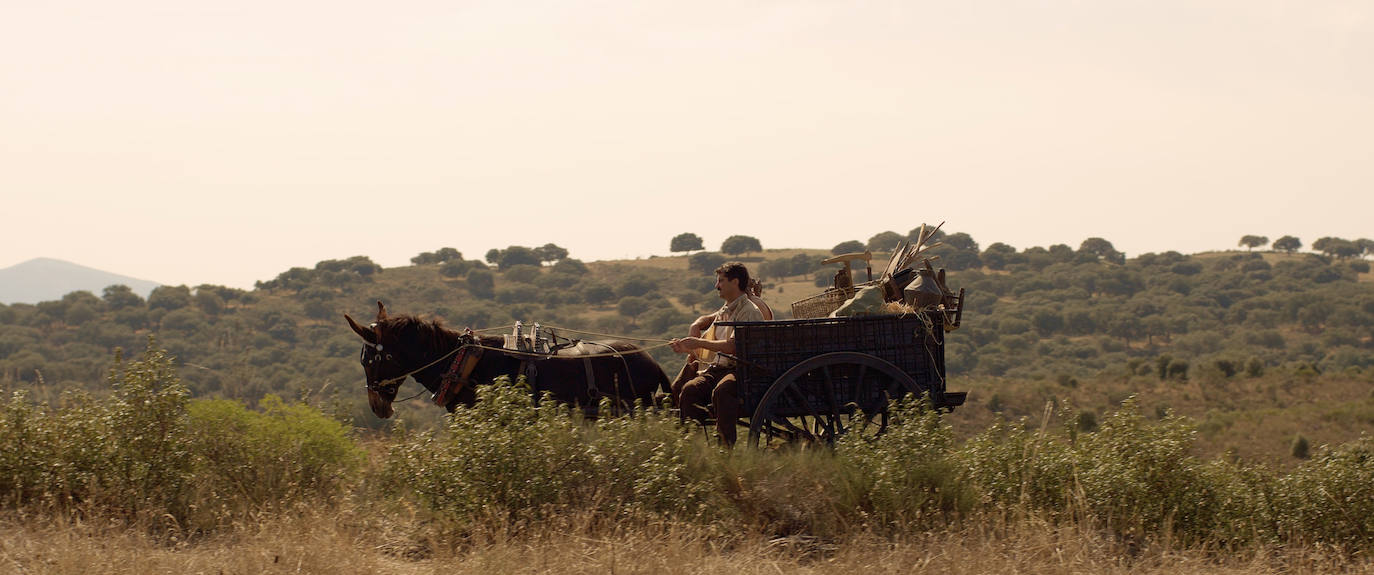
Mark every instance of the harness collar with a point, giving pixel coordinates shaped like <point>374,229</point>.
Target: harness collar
<point>459,372</point>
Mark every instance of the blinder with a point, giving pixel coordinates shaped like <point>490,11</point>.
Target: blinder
<point>373,360</point>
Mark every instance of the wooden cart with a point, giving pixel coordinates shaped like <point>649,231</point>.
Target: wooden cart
<point>819,379</point>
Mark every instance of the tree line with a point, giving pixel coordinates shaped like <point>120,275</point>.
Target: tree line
<point>1055,312</point>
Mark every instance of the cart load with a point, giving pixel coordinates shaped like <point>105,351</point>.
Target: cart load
<point>832,370</point>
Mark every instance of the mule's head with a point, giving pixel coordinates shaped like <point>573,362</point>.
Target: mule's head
<point>384,373</point>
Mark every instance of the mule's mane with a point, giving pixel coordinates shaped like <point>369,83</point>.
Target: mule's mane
<point>413,330</point>
<point>408,321</point>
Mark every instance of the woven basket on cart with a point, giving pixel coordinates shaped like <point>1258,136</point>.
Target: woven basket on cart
<point>822,304</point>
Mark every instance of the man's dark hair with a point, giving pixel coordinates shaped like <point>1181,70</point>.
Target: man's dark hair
<point>735,271</point>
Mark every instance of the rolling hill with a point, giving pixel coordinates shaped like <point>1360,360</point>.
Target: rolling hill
<point>46,279</point>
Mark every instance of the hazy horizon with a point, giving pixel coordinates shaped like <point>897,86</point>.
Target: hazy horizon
<point>224,143</point>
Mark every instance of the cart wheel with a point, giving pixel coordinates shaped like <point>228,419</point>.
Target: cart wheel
<point>827,396</point>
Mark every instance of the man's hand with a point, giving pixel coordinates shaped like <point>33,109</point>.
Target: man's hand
<point>685,344</point>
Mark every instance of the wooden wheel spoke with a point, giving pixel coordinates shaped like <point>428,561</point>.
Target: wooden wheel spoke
<point>835,425</point>
<point>796,431</point>
<point>857,386</point>
<point>828,396</point>
<point>803,404</point>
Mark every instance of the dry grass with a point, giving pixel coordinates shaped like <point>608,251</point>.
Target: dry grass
<point>345,543</point>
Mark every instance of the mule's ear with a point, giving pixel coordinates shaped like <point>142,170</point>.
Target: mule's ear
<point>367,334</point>
<point>381,312</point>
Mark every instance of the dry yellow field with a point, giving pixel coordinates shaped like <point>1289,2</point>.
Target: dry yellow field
<point>343,544</point>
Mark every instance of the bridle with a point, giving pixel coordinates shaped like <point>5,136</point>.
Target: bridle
<point>393,383</point>
<point>377,356</point>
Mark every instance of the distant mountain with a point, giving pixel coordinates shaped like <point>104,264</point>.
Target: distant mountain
<point>47,279</point>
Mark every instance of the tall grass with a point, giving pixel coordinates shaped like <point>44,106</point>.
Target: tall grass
<point>149,456</point>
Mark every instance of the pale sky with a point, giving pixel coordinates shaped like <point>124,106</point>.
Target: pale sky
<point>225,142</point>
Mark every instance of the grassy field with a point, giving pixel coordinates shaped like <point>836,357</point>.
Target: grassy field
<point>339,541</point>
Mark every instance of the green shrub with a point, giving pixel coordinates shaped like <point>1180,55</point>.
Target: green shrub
<point>1178,369</point>
<point>1300,448</point>
<point>25,436</point>
<point>125,454</point>
<point>908,476</point>
<point>506,456</point>
<point>147,463</point>
<point>1012,466</point>
<point>1240,503</point>
<point>1137,476</point>
<point>1328,498</point>
<point>1085,421</point>
<point>247,459</point>
<point>148,454</point>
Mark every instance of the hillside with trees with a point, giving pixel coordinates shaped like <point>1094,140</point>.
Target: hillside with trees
<point>1157,413</point>
<point>1262,347</point>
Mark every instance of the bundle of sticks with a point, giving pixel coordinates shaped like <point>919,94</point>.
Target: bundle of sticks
<point>901,265</point>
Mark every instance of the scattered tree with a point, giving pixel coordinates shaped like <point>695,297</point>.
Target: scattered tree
<point>632,306</point>
<point>1346,249</point>
<point>848,247</point>
<point>1252,242</point>
<point>550,253</point>
<point>1101,249</point>
<point>1287,244</point>
<point>455,268</point>
<point>481,282</point>
<point>800,264</point>
<point>1337,247</point>
<point>705,262</point>
<point>935,236</point>
<point>437,257</point>
<point>169,297</point>
<point>1300,448</point>
<point>522,273</point>
<point>736,245</point>
<point>636,285</point>
<point>120,296</point>
<point>597,293</point>
<point>998,255</point>
<point>958,251</point>
<point>962,241</point>
<point>1366,246</point>
<point>208,301</point>
<point>514,256</point>
<point>686,242</point>
<point>570,266</point>
<point>360,265</point>
<point>884,241</point>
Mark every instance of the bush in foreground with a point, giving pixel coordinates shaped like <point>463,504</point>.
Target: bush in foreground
<point>149,454</point>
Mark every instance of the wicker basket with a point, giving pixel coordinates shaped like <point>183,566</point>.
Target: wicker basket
<point>822,304</point>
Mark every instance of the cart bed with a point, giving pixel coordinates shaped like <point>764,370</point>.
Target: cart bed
<point>914,343</point>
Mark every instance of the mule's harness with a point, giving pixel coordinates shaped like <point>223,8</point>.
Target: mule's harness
<point>459,372</point>
<point>466,356</point>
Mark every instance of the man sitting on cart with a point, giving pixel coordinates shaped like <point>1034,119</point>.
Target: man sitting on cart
<point>708,372</point>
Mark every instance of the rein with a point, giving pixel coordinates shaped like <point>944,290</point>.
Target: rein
<point>402,378</point>
<point>458,374</point>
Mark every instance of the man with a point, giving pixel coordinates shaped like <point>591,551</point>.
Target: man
<point>707,372</point>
